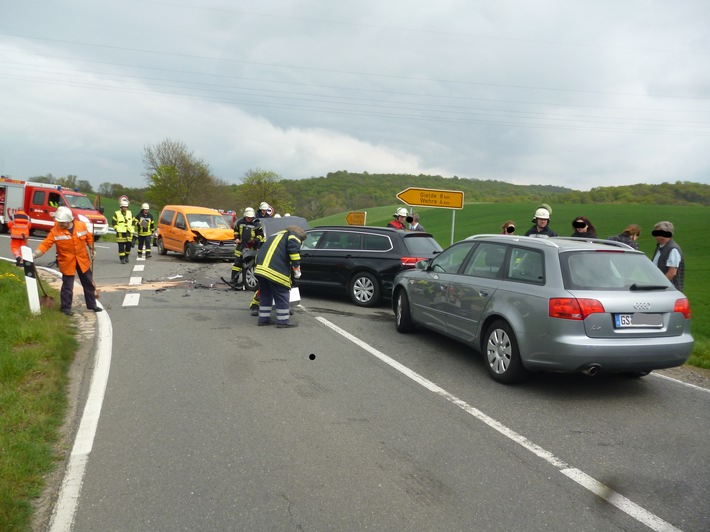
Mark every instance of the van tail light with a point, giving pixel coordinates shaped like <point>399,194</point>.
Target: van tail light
<point>409,262</point>
<point>570,308</point>
<point>682,306</point>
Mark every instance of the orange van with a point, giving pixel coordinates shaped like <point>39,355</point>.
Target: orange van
<point>195,232</point>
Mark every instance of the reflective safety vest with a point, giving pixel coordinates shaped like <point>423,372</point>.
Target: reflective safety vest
<point>20,226</point>
<point>123,223</point>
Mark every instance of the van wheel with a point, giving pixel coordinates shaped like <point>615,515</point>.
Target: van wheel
<point>502,355</point>
<point>402,313</point>
<point>189,252</point>
<point>161,247</point>
<point>364,290</point>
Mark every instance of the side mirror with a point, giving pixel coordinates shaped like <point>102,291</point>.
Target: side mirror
<point>422,264</point>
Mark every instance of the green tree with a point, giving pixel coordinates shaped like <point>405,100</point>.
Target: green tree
<point>85,186</point>
<point>68,181</point>
<point>175,175</point>
<point>262,185</point>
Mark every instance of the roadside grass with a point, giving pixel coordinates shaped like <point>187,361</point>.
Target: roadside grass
<point>609,219</point>
<point>35,355</point>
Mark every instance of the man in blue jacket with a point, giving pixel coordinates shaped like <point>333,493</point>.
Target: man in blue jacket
<point>277,259</point>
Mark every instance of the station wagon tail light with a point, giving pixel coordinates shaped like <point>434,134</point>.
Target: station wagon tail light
<point>682,306</point>
<point>570,308</point>
<point>410,261</point>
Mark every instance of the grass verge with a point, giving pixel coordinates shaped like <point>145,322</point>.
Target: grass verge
<point>35,355</point>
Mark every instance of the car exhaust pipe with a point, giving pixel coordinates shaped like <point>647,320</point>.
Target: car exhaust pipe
<point>592,370</point>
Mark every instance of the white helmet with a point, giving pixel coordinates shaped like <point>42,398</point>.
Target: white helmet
<point>401,212</point>
<point>287,214</point>
<point>124,203</point>
<point>145,207</point>
<point>277,215</point>
<point>249,212</point>
<point>264,206</point>
<point>63,215</point>
<point>543,214</point>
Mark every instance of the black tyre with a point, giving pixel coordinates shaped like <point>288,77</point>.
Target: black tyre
<point>402,313</point>
<point>161,247</point>
<point>502,355</point>
<point>364,290</point>
<point>189,252</point>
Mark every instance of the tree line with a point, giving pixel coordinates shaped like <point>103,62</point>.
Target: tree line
<point>174,175</point>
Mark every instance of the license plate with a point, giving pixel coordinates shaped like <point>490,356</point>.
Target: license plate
<point>637,319</point>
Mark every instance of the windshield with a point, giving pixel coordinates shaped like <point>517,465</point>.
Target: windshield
<point>207,221</point>
<point>79,202</point>
<point>609,271</point>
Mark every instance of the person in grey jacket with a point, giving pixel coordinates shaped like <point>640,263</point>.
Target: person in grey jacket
<point>668,256</point>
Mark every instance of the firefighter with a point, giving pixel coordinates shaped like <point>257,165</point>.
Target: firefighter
<point>144,227</point>
<point>123,225</point>
<point>265,210</point>
<point>19,233</point>
<point>248,234</point>
<point>278,258</point>
<point>75,248</point>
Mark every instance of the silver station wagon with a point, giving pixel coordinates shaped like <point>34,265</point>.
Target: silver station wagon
<point>548,304</point>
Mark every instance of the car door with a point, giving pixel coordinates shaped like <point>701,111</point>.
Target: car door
<point>430,302</point>
<point>328,260</point>
<point>471,290</point>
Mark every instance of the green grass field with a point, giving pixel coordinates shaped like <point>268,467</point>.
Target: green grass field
<point>477,218</point>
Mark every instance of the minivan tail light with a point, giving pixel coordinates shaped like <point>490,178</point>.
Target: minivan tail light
<point>683,306</point>
<point>410,261</point>
<point>570,308</point>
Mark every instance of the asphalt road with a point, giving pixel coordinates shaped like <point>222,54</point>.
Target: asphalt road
<point>211,423</point>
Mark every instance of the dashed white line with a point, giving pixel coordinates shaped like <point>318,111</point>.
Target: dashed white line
<point>135,281</point>
<point>131,300</point>
<point>139,267</point>
<point>612,497</point>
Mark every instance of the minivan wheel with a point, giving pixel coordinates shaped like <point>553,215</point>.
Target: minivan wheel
<point>189,252</point>
<point>364,290</point>
<point>502,354</point>
<point>161,247</point>
<point>402,314</point>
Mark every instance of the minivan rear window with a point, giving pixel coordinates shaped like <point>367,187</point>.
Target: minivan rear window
<point>421,246</point>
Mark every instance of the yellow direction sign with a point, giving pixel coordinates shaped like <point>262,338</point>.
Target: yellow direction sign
<point>428,197</point>
<point>356,217</point>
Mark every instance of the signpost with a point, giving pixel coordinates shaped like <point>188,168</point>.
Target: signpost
<point>356,217</point>
<point>429,197</point>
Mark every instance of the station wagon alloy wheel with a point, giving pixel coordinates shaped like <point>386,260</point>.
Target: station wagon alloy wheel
<point>364,290</point>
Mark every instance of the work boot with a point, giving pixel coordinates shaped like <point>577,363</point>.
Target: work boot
<point>18,262</point>
<point>67,311</point>
<point>254,310</point>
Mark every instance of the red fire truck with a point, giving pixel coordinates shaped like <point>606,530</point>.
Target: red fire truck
<point>40,202</point>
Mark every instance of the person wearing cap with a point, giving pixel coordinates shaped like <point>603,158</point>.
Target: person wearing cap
<point>144,225</point>
<point>249,234</point>
<point>264,210</point>
<point>542,223</point>
<point>75,248</point>
<point>668,256</point>
<point>508,227</point>
<point>400,215</point>
<point>278,259</point>
<point>123,225</point>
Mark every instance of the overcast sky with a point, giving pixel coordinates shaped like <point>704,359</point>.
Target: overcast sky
<point>580,93</point>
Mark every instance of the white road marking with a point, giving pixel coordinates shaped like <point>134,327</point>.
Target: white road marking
<point>139,267</point>
<point>612,497</point>
<point>131,300</point>
<point>135,281</point>
<point>63,516</point>
<point>690,385</point>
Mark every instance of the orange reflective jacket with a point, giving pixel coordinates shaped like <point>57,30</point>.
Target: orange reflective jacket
<point>71,247</point>
<point>20,226</point>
